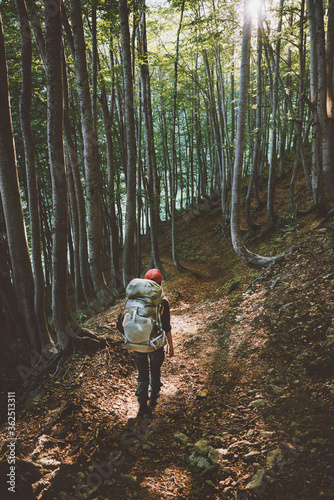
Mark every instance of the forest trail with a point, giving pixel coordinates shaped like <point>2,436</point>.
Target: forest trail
<point>246,407</point>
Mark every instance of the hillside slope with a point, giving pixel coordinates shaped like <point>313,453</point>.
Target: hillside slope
<point>247,403</point>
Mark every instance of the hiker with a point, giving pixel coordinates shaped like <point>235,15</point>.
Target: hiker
<point>143,300</point>
<point>149,364</point>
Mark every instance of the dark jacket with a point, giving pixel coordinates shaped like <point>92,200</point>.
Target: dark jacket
<point>165,315</point>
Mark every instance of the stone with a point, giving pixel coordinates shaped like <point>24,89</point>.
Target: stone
<point>201,447</point>
<point>257,483</point>
<point>213,455</point>
<point>203,463</point>
<point>259,403</point>
<point>202,394</point>
<point>193,459</point>
<point>153,428</point>
<point>274,389</point>
<point>128,481</point>
<point>182,438</point>
<point>275,459</point>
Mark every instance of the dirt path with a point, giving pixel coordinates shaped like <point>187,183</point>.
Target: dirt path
<point>158,449</point>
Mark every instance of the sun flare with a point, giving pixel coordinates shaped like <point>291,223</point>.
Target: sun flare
<point>254,7</point>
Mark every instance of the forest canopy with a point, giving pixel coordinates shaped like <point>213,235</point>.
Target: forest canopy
<point>117,116</point>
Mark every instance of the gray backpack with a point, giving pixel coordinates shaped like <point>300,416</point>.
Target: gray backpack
<point>142,322</point>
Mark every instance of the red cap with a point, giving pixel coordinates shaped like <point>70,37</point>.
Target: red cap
<point>154,274</point>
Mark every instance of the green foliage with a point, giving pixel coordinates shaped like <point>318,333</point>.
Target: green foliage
<point>82,315</point>
<point>191,252</point>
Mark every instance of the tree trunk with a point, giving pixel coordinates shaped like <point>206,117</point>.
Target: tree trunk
<point>153,182</point>
<point>13,213</point>
<point>31,176</point>
<point>66,329</point>
<point>140,182</point>
<point>238,245</point>
<point>173,181</point>
<point>130,132</point>
<point>94,217</point>
<point>274,108</point>
<point>299,122</point>
<point>74,225</point>
<point>10,317</point>
<point>78,197</point>
<point>253,181</point>
<point>317,171</point>
<point>325,103</point>
<point>227,173</point>
<point>57,166</point>
<point>116,281</point>
<point>94,68</point>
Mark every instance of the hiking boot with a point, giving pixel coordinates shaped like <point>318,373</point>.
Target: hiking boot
<point>153,400</point>
<point>144,410</point>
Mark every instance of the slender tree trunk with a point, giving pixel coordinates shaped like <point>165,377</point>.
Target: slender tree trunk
<point>173,181</point>
<point>57,165</point>
<point>65,327</point>
<point>299,124</point>
<point>79,200</point>
<point>253,181</point>
<point>10,317</point>
<point>227,141</point>
<point>317,171</point>
<point>325,103</point>
<point>31,175</point>
<point>12,206</point>
<point>287,89</point>
<point>74,225</point>
<point>130,131</point>
<point>116,281</point>
<point>329,168</point>
<point>153,182</point>
<point>140,181</point>
<point>238,245</point>
<point>274,118</point>
<point>94,68</point>
<point>198,143</point>
<point>94,216</point>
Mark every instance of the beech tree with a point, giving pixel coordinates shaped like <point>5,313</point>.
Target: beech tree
<point>31,174</point>
<point>238,245</point>
<point>89,135</point>
<point>153,185</point>
<point>274,118</point>
<point>130,136</point>
<point>67,330</point>
<point>173,179</point>
<point>321,102</point>
<point>15,226</point>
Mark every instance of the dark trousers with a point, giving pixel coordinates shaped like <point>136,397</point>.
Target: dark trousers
<point>148,365</point>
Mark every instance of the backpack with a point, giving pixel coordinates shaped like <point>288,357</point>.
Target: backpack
<point>142,316</point>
